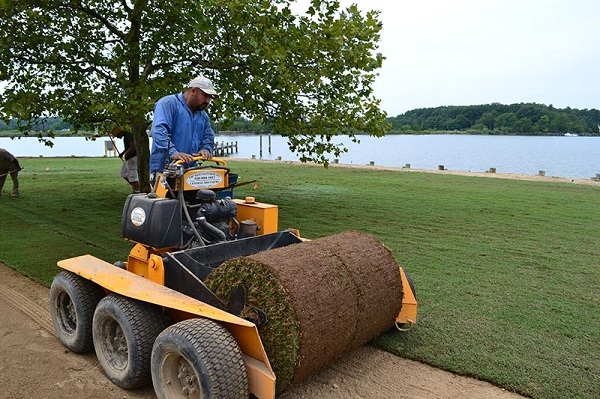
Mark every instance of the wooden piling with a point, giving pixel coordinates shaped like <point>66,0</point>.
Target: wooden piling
<point>225,148</point>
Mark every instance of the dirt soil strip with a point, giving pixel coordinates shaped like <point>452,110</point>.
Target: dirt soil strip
<point>33,363</point>
<point>28,307</point>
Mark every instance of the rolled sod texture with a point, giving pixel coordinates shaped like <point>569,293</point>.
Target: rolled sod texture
<point>322,298</point>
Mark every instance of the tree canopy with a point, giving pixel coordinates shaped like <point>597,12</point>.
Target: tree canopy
<point>524,119</point>
<point>98,63</point>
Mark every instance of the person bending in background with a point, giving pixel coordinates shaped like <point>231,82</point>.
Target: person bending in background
<point>129,169</point>
<point>181,127</point>
<point>9,165</point>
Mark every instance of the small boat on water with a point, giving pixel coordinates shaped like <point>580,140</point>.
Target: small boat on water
<point>571,135</point>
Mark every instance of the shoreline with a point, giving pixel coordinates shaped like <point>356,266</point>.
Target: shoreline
<point>512,176</point>
<point>496,175</point>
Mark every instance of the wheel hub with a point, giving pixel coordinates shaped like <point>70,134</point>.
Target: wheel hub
<point>114,344</point>
<point>179,378</point>
<point>67,314</point>
<point>187,378</point>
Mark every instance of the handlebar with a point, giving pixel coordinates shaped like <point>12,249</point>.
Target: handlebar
<point>218,161</point>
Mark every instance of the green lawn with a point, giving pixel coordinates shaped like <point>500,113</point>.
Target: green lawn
<point>507,272</point>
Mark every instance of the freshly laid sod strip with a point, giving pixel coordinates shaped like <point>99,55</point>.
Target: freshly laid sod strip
<point>507,272</point>
<point>321,298</point>
<point>68,207</point>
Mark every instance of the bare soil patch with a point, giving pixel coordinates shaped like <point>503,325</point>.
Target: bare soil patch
<point>34,364</point>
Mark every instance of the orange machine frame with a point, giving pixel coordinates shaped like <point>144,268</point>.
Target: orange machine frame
<point>145,278</point>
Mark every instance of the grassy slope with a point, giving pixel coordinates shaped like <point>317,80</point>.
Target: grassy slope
<point>506,271</point>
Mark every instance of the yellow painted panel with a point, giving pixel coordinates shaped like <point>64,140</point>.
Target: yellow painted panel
<point>262,385</point>
<point>196,180</point>
<point>200,178</point>
<point>136,287</point>
<point>265,215</point>
<point>408,312</point>
<point>128,284</point>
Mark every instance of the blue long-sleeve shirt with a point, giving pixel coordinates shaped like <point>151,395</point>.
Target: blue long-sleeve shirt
<point>176,129</point>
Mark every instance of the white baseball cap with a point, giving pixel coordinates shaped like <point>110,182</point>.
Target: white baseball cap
<point>205,85</point>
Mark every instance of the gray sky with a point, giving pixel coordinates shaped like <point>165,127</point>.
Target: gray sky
<point>468,52</point>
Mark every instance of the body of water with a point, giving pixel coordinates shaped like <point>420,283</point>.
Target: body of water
<point>577,157</point>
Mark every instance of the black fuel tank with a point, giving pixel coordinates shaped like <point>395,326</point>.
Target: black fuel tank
<point>152,221</point>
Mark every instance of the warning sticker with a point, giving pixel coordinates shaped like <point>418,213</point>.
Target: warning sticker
<point>138,216</point>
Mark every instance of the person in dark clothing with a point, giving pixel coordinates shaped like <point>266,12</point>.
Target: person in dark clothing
<point>9,165</point>
<point>129,170</point>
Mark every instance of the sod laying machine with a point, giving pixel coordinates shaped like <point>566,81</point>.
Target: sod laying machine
<point>214,302</point>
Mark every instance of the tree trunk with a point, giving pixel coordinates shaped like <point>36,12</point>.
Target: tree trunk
<point>142,146</point>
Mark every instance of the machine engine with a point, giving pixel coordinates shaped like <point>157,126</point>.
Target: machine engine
<point>214,218</point>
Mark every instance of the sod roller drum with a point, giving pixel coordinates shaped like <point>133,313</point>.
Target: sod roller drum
<point>322,299</point>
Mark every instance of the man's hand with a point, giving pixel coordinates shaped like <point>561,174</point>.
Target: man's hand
<point>204,153</point>
<point>182,156</point>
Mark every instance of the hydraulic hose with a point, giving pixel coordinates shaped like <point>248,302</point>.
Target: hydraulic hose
<point>210,229</point>
<point>187,215</point>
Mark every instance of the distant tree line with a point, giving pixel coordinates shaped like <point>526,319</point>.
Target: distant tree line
<point>524,119</point>
<point>57,125</point>
<point>244,125</point>
<point>46,124</point>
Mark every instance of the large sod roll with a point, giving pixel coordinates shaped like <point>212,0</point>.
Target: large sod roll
<point>322,298</point>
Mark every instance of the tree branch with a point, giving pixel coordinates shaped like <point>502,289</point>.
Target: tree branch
<point>102,19</point>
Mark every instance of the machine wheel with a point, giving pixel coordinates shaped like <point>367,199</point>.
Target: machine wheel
<point>411,284</point>
<point>72,303</point>
<point>198,358</point>
<point>124,331</point>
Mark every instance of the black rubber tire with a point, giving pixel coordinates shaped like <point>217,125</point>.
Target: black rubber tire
<point>198,358</point>
<point>411,284</point>
<point>124,331</point>
<point>73,300</point>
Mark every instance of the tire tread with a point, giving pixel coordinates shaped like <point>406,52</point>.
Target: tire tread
<point>146,322</point>
<point>221,356</point>
<point>85,295</point>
